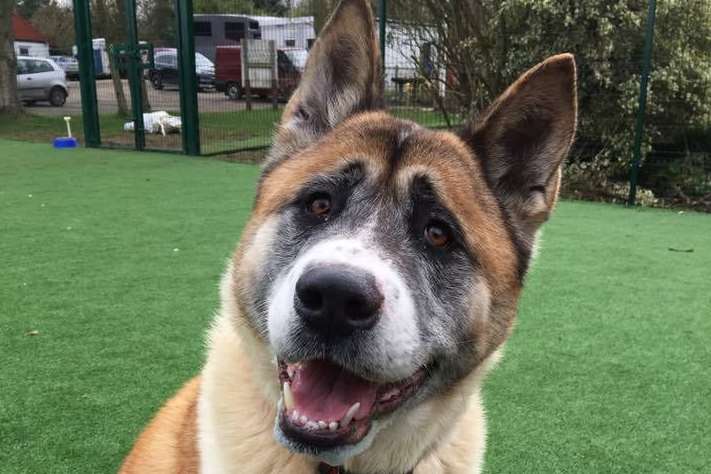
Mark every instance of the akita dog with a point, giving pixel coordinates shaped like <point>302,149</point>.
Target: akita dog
<point>376,280</point>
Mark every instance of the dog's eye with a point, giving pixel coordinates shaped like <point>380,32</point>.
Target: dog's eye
<point>438,234</point>
<point>319,205</point>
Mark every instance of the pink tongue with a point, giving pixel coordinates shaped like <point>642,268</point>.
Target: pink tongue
<point>324,391</point>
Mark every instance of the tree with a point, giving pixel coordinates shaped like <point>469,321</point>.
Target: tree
<point>319,9</point>
<point>9,102</point>
<point>157,22</point>
<point>105,25</point>
<point>272,7</point>
<point>224,6</point>
<point>56,22</point>
<point>27,8</point>
<point>482,45</point>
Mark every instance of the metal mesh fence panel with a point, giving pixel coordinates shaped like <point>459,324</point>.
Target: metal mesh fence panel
<point>259,57</point>
<point>444,62</point>
<point>56,95</point>
<point>113,94</point>
<point>677,162</point>
<point>258,60</point>
<point>463,53</point>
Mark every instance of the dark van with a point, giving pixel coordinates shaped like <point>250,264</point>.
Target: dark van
<point>228,74</point>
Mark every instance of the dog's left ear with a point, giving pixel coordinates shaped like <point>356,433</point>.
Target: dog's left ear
<point>524,137</point>
<point>342,77</point>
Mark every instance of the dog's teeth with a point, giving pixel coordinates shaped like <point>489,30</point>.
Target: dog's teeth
<point>303,419</point>
<point>345,421</point>
<point>294,416</point>
<point>312,426</point>
<point>288,396</point>
<point>290,371</point>
<point>322,425</point>
<point>333,426</point>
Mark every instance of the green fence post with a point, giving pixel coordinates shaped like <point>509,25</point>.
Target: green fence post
<point>383,14</point>
<point>135,74</point>
<point>643,86</point>
<point>188,80</point>
<point>87,73</point>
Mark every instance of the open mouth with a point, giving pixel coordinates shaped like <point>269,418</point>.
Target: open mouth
<point>325,405</point>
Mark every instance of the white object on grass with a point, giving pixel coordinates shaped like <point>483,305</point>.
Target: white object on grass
<point>157,122</point>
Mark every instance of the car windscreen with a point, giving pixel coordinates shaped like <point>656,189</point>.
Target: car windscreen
<point>202,61</point>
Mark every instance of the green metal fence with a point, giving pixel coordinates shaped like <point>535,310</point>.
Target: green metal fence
<point>227,68</point>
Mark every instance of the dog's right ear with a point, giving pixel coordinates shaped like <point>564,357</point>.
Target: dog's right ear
<point>342,78</point>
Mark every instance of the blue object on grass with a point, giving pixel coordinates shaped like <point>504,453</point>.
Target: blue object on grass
<point>65,142</point>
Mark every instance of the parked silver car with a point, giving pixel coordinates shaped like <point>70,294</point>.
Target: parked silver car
<point>69,64</point>
<point>40,79</point>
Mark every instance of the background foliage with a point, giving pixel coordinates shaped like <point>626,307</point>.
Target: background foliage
<point>485,44</point>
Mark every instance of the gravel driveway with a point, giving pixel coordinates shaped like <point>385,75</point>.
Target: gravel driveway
<point>166,99</point>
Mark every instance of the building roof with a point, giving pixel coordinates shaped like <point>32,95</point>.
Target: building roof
<point>263,20</point>
<point>24,31</point>
<point>277,20</point>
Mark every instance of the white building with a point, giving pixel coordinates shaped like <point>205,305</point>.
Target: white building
<point>28,41</point>
<point>407,51</point>
<point>223,29</point>
<point>295,32</point>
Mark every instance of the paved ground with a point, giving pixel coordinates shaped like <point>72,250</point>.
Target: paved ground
<point>166,99</point>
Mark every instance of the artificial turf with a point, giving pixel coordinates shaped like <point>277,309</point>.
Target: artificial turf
<point>110,263</point>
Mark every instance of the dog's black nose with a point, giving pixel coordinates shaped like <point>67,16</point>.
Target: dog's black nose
<point>335,300</point>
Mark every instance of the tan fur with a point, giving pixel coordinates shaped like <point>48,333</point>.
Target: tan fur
<point>348,33</point>
<point>239,381</point>
<point>226,417</point>
<point>547,91</point>
<point>169,443</point>
<point>243,399</point>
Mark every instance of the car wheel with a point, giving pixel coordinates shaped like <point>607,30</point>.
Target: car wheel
<point>57,97</point>
<point>233,91</point>
<point>157,81</point>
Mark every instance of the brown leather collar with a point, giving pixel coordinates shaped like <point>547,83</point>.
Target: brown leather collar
<point>324,468</point>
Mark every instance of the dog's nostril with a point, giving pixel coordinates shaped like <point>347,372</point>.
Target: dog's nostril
<point>311,299</point>
<point>356,309</point>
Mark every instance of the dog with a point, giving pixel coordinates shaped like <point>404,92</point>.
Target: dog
<point>376,280</point>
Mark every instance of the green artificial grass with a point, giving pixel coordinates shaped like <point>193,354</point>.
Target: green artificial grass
<point>110,266</point>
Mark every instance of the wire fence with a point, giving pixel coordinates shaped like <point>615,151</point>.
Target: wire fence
<point>438,71</point>
<point>258,61</point>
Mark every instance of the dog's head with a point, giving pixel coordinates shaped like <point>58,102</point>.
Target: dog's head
<point>383,261</point>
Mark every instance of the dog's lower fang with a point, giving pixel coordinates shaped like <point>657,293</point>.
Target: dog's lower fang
<point>288,397</point>
<point>348,417</point>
